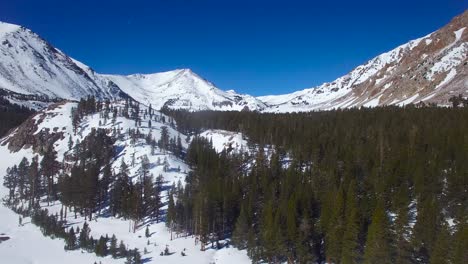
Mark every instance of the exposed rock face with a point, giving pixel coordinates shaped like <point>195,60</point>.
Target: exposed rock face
<point>27,134</point>
<point>430,69</point>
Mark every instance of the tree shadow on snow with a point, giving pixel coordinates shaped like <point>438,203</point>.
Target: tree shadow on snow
<point>146,260</point>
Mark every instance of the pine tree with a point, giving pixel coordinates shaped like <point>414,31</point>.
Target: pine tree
<point>439,253</point>
<point>425,230</point>
<point>171,213</point>
<point>113,247</point>
<point>122,250</point>
<point>378,246</point>
<point>101,247</point>
<point>147,232</point>
<point>70,240</point>
<point>34,183</point>
<point>164,140</point>
<point>350,249</point>
<point>334,232</point>
<point>11,181</point>
<point>239,236</point>
<point>49,167</point>
<point>84,239</point>
<point>459,254</point>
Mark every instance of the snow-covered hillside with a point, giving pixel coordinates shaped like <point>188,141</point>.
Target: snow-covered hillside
<point>182,89</point>
<point>30,65</point>
<point>57,120</point>
<point>429,69</point>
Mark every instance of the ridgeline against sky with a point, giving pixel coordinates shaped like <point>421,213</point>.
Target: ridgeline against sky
<point>255,47</point>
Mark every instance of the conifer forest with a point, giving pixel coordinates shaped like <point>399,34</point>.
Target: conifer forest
<point>381,185</point>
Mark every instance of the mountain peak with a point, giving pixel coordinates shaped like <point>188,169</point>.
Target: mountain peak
<point>181,89</point>
<point>6,28</point>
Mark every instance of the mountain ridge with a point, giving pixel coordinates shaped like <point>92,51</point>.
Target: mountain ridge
<point>383,80</point>
<point>429,69</point>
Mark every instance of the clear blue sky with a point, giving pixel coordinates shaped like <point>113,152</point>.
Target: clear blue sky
<point>256,47</point>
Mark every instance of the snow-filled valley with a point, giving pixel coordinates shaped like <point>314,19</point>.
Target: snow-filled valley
<point>26,243</point>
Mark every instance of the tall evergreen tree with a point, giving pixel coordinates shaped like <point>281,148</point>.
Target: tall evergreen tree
<point>378,247</point>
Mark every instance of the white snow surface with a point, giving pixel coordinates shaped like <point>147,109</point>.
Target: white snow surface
<point>6,28</point>
<point>450,75</point>
<point>18,249</point>
<point>451,59</point>
<point>224,140</point>
<point>459,33</point>
<point>408,101</point>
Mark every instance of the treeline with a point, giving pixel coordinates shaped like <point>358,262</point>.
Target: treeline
<point>383,185</point>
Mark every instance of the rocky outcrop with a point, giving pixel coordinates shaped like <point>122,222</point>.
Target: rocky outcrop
<point>28,136</point>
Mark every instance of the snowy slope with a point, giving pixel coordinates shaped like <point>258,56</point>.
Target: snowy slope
<point>182,89</point>
<point>226,140</point>
<point>428,69</point>
<point>57,119</point>
<point>30,65</point>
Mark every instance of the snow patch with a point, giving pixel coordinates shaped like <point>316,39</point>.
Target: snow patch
<point>452,59</point>
<point>374,102</point>
<point>226,140</point>
<point>448,78</point>
<point>458,33</point>
<point>408,101</point>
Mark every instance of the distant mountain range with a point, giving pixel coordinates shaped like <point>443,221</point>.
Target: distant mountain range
<point>430,69</point>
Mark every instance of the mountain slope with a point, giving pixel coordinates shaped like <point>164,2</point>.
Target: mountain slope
<point>182,89</point>
<point>53,127</point>
<point>29,65</point>
<point>429,69</point>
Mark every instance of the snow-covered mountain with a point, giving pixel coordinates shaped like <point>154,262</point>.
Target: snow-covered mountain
<point>430,69</point>
<point>182,89</point>
<point>30,65</point>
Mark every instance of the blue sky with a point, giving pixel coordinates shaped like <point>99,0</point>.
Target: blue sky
<point>256,47</point>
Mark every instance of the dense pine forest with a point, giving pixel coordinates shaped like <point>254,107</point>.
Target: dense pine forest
<point>382,185</point>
